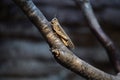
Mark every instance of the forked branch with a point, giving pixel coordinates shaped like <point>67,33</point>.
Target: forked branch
<point>107,43</point>
<point>61,53</point>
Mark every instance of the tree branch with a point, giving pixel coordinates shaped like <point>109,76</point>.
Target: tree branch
<point>99,33</point>
<point>61,53</point>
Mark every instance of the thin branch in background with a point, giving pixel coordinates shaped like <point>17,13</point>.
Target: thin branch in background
<point>61,53</point>
<point>112,51</point>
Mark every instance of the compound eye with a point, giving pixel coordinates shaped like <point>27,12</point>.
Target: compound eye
<point>55,19</point>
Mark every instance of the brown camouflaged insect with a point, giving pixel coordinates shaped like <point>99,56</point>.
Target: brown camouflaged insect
<point>61,33</point>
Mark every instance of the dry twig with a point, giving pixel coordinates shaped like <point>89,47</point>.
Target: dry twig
<point>100,34</point>
<point>61,53</point>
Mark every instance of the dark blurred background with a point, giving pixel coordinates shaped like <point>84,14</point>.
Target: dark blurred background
<point>24,55</point>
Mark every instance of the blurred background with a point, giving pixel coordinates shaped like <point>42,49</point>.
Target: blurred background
<point>24,54</point>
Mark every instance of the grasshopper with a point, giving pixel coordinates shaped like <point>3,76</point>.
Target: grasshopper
<point>61,33</point>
